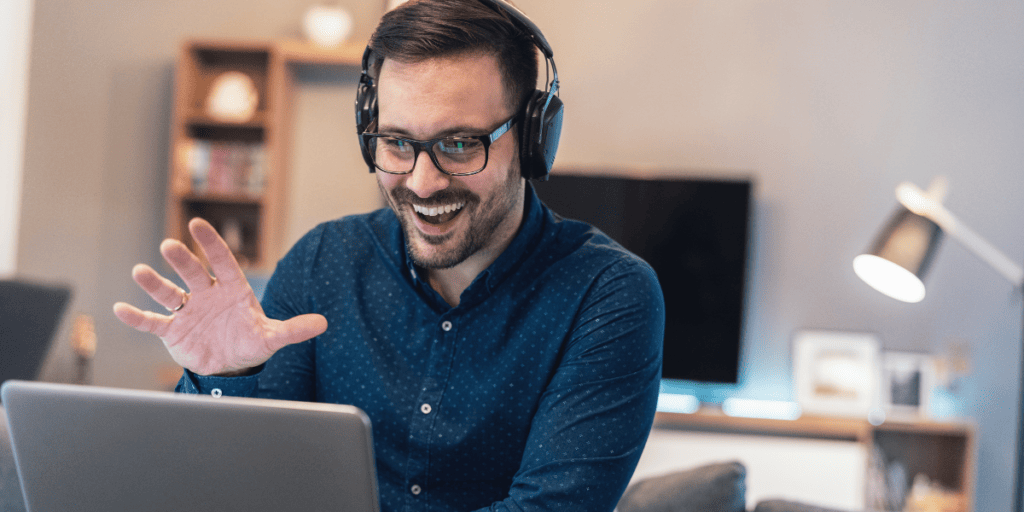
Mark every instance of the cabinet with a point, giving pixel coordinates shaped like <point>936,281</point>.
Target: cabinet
<point>944,452</point>
<point>234,171</point>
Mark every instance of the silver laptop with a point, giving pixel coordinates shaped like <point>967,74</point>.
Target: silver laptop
<point>92,449</point>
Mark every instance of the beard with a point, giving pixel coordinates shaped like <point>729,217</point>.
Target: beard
<point>452,248</point>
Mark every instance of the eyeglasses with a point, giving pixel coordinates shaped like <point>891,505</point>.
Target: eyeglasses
<point>455,156</point>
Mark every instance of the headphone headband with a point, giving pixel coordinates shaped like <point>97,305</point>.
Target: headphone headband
<point>525,22</point>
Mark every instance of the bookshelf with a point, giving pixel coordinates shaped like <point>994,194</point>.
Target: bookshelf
<point>234,172</point>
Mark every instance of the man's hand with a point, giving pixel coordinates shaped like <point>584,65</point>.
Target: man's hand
<point>217,327</point>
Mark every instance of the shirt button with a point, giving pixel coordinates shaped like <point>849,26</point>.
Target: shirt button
<point>412,271</point>
<point>415,489</point>
<point>425,408</point>
<point>216,392</point>
<point>446,326</point>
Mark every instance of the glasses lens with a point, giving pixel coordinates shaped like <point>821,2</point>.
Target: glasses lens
<point>460,155</point>
<point>392,155</point>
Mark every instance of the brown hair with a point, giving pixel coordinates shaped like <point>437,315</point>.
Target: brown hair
<point>423,29</point>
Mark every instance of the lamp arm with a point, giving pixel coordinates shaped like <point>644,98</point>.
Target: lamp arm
<point>921,203</point>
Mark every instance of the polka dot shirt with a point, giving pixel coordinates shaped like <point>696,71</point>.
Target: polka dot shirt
<point>536,392</point>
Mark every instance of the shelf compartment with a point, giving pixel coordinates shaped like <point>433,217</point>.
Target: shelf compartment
<point>209,62</point>
<point>237,222</point>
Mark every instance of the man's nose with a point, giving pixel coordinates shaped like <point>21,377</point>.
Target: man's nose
<point>426,178</point>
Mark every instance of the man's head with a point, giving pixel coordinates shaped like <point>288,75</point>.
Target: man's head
<point>451,68</point>
<point>429,29</point>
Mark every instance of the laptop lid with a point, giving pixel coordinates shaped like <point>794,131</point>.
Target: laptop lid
<point>29,316</point>
<point>93,449</point>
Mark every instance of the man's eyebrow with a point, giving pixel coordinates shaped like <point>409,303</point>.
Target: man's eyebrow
<point>448,132</point>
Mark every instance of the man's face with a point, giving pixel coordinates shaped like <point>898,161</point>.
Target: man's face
<point>450,219</point>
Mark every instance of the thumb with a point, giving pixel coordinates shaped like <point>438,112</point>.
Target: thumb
<point>300,328</point>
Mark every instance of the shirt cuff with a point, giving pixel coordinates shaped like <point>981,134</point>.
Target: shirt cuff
<point>195,384</point>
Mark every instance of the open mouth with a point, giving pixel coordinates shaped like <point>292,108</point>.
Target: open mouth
<point>438,214</point>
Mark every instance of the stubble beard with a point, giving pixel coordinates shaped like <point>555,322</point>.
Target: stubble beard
<point>484,221</point>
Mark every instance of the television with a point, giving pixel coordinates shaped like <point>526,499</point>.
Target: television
<point>695,233</point>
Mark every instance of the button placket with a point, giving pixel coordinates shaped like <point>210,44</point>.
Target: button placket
<point>422,433</point>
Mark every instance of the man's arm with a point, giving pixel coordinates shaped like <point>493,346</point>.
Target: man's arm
<point>596,413</point>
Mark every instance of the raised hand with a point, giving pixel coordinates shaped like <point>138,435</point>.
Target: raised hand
<point>217,327</point>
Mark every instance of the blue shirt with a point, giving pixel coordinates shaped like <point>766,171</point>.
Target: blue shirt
<point>536,392</point>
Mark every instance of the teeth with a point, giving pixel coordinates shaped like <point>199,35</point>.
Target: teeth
<point>437,210</point>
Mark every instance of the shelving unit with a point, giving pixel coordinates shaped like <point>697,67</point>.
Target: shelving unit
<point>944,452</point>
<point>235,174</point>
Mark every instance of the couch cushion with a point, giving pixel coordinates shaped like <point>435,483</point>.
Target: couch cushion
<point>10,488</point>
<point>717,487</point>
<point>789,506</point>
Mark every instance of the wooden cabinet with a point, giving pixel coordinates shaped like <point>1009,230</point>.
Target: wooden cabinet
<point>234,171</point>
<point>943,452</point>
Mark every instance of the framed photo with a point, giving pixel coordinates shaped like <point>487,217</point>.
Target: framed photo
<point>908,380</point>
<point>836,373</point>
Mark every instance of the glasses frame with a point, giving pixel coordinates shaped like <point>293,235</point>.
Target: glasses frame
<point>428,145</point>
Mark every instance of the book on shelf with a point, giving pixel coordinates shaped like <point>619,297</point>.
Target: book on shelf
<point>229,168</point>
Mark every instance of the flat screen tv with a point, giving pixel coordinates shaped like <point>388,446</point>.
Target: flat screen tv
<point>695,234</point>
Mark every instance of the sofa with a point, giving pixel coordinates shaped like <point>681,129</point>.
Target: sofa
<point>719,487</point>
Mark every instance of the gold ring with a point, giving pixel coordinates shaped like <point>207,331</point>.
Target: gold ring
<point>184,300</point>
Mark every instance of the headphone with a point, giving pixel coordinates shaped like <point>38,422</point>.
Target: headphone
<point>540,124</point>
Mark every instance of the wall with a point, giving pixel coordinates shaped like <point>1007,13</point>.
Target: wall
<point>96,159</point>
<point>15,39</point>
<point>827,104</point>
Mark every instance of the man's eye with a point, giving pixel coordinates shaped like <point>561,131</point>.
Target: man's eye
<point>397,144</point>
<point>459,146</point>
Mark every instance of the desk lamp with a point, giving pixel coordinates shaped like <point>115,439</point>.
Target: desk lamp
<point>898,259</point>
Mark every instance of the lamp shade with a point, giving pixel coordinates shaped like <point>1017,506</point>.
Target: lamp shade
<point>900,256</point>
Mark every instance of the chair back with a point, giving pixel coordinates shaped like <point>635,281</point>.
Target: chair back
<point>30,314</point>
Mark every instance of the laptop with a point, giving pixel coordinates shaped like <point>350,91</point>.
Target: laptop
<point>93,449</point>
<point>29,316</point>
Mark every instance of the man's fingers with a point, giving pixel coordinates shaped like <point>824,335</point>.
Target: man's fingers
<point>186,264</point>
<point>145,321</point>
<point>222,261</point>
<point>165,292</point>
<point>300,328</point>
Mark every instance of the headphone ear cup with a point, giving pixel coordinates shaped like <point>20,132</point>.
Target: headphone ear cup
<point>366,112</point>
<point>541,129</point>
<point>551,131</point>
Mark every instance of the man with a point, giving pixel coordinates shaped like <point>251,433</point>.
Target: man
<point>508,359</point>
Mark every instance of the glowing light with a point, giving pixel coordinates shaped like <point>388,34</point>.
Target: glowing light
<point>770,409</point>
<point>687,404</point>
<point>889,278</point>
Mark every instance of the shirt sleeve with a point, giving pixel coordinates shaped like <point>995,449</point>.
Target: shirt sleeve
<point>594,418</point>
<point>290,372</point>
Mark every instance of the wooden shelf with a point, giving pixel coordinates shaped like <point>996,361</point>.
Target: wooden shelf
<point>255,220</point>
<point>228,199</point>
<point>295,51</point>
<point>199,118</point>
<point>805,427</point>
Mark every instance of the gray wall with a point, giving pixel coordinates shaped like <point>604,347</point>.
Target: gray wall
<point>827,104</point>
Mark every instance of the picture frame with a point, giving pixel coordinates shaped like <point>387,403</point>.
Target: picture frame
<point>836,373</point>
<point>907,382</point>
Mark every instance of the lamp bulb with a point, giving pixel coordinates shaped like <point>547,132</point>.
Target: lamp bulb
<point>889,278</point>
